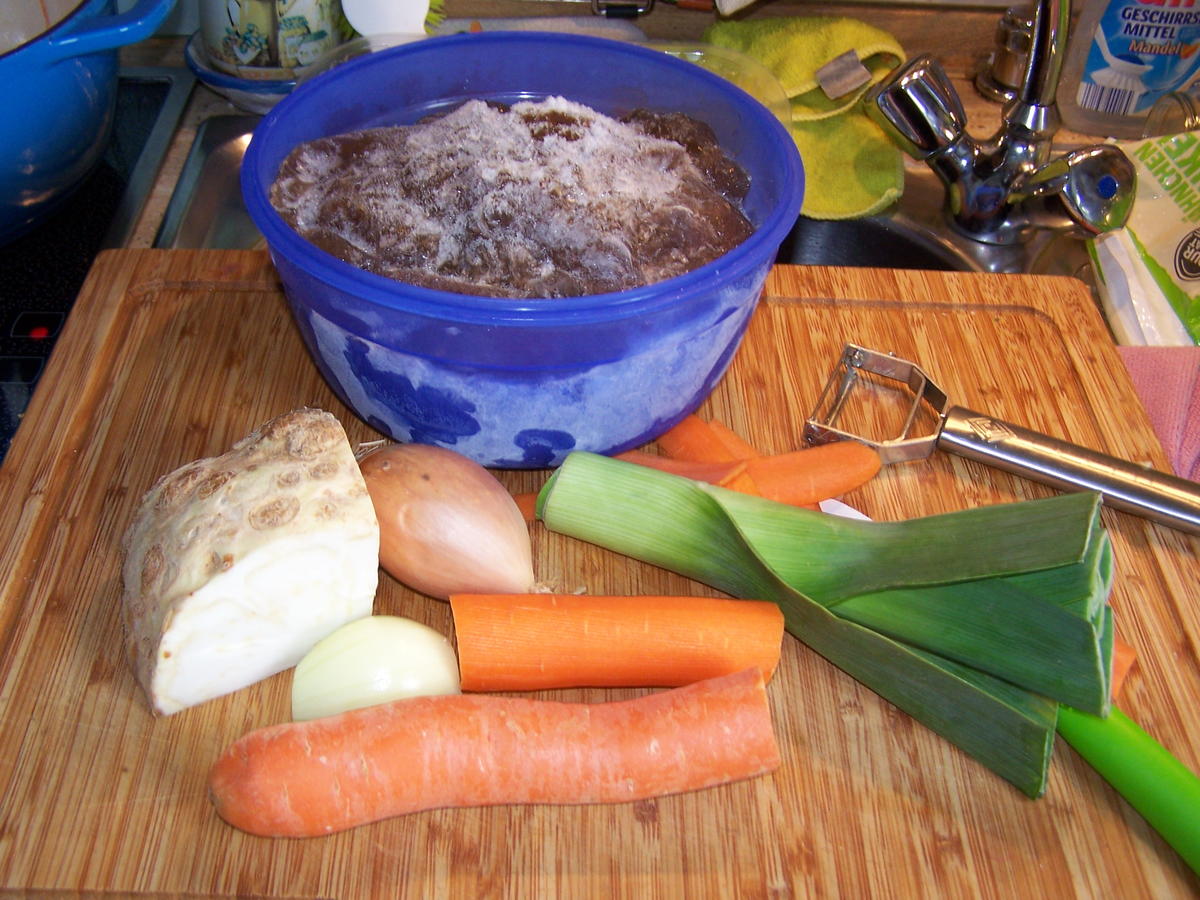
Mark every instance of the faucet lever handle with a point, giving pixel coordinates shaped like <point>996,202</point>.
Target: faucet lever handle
<point>1093,187</point>
<point>919,107</point>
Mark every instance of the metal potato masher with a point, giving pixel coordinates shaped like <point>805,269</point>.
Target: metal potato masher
<point>1145,492</point>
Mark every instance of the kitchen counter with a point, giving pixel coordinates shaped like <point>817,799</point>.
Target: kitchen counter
<point>959,36</point>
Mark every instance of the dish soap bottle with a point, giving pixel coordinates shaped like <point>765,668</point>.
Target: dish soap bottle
<point>1123,55</point>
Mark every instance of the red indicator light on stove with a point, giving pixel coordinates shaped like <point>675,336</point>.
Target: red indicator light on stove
<point>37,325</point>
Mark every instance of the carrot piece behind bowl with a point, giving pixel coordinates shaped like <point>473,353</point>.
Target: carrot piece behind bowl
<point>814,474</point>
<point>695,440</point>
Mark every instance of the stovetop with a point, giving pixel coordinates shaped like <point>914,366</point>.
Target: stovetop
<point>42,272</point>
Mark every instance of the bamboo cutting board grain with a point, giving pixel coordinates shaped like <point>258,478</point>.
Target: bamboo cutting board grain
<point>173,355</point>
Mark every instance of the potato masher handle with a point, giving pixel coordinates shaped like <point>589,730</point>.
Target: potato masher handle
<point>1145,492</point>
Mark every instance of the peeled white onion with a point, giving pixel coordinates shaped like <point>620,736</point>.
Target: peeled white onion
<point>373,660</point>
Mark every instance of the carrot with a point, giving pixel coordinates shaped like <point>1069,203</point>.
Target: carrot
<point>527,504</point>
<point>800,477</point>
<point>710,472</point>
<point>303,779</point>
<point>530,642</point>
<point>735,445</point>
<point>1123,657</point>
<point>815,473</point>
<point>695,440</point>
<point>741,482</point>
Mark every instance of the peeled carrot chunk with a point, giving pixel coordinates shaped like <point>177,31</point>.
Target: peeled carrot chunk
<point>527,504</point>
<point>736,446</point>
<point>800,477</point>
<point>742,482</point>
<point>530,642</point>
<point>693,439</point>
<point>710,472</point>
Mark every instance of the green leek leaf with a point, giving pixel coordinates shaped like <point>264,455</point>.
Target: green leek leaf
<point>1154,782</point>
<point>1043,631</point>
<point>830,558</point>
<point>999,629</point>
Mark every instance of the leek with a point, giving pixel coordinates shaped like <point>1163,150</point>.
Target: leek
<point>812,565</point>
<point>1040,629</point>
<point>842,557</point>
<point>1000,630</point>
<point>1045,631</point>
<point>829,558</point>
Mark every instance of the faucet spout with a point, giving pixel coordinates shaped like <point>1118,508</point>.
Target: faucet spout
<point>1031,118</point>
<point>1047,51</point>
<point>999,190</point>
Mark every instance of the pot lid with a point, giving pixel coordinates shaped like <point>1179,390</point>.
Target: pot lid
<point>22,22</point>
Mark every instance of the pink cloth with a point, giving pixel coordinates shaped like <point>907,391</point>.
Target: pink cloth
<point>1167,380</point>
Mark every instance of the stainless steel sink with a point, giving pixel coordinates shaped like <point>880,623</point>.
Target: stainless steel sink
<point>882,241</point>
<point>206,211</point>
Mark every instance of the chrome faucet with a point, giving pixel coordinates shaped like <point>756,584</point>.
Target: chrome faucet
<point>1000,190</point>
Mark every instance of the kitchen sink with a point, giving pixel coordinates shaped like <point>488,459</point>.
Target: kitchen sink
<point>914,234</point>
<point>883,241</point>
<point>206,211</point>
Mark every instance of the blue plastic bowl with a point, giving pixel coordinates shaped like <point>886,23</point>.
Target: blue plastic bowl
<point>521,383</point>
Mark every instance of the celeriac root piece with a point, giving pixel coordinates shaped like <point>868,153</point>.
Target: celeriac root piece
<point>235,566</point>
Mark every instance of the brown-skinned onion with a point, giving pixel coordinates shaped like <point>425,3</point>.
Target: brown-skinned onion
<point>446,524</point>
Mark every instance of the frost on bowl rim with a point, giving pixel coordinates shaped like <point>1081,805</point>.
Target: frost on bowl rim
<point>519,383</point>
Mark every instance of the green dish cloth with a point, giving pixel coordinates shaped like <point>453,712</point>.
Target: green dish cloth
<point>851,168</point>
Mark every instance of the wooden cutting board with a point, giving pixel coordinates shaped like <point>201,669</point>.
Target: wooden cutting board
<point>173,355</point>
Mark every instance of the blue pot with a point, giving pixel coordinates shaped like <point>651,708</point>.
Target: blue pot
<point>56,109</point>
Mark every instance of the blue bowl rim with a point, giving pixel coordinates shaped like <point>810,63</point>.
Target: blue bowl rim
<point>379,290</point>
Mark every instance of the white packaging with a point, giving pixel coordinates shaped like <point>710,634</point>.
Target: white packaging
<point>1149,271</point>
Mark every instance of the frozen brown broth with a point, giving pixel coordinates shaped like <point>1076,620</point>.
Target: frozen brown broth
<point>543,199</point>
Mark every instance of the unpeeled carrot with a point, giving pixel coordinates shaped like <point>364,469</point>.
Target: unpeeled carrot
<point>304,779</point>
<point>530,642</point>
